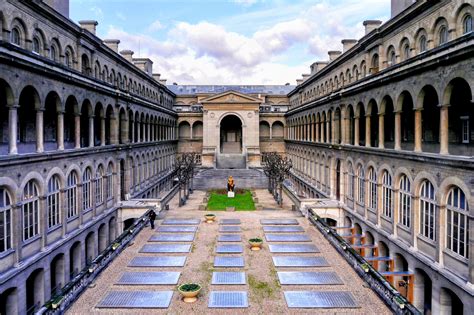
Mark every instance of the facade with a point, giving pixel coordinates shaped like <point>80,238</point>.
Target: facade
<point>81,129</point>
<point>386,129</point>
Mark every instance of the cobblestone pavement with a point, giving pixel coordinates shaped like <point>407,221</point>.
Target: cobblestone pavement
<point>265,295</point>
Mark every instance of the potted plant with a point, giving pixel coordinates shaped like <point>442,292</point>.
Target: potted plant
<point>256,243</point>
<point>189,291</point>
<point>210,217</point>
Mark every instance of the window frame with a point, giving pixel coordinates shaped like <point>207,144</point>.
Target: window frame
<point>71,195</point>
<point>428,209</point>
<point>405,201</point>
<point>5,220</point>
<point>455,211</point>
<point>30,211</point>
<point>387,195</point>
<point>53,202</point>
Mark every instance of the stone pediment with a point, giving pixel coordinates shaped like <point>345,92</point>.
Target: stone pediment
<point>231,97</point>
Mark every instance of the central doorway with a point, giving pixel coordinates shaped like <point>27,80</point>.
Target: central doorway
<point>231,135</point>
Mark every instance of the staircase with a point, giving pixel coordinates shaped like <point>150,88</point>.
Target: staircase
<point>231,161</point>
<point>208,179</point>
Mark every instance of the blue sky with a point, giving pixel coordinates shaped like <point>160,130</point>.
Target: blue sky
<point>234,41</point>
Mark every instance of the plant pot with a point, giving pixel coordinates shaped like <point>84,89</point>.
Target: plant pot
<point>210,217</point>
<point>256,243</point>
<point>189,291</point>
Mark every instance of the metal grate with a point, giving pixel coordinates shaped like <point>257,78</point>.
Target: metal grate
<point>229,238</point>
<point>162,261</point>
<point>321,299</point>
<point>228,299</point>
<point>299,261</point>
<point>136,299</point>
<point>228,278</point>
<point>316,278</point>
<point>181,222</point>
<point>230,229</point>
<point>279,222</point>
<point>293,248</point>
<point>152,278</point>
<point>172,238</point>
<point>229,222</point>
<point>165,248</point>
<point>229,249</point>
<point>221,261</point>
<point>282,229</point>
<point>287,238</point>
<point>177,229</point>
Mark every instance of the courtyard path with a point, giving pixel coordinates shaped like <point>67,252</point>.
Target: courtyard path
<point>262,288</point>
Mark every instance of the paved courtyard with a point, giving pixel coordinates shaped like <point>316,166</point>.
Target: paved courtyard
<point>267,283</point>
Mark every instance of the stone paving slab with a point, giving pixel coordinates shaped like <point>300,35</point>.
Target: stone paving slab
<point>229,238</point>
<point>287,238</point>
<point>228,299</point>
<point>166,248</point>
<point>229,249</point>
<point>172,237</point>
<point>176,229</point>
<point>293,248</point>
<point>161,261</point>
<point>230,222</point>
<point>230,229</point>
<point>299,261</point>
<point>308,277</point>
<point>279,222</point>
<point>137,299</point>
<point>222,261</point>
<point>152,278</point>
<point>282,229</point>
<point>320,299</point>
<point>181,222</point>
<point>228,278</point>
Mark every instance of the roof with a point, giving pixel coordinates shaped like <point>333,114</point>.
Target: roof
<point>245,89</point>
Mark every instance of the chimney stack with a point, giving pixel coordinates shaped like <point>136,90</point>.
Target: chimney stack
<point>127,54</point>
<point>299,81</point>
<point>112,44</point>
<point>89,25</point>
<point>371,25</point>
<point>333,54</point>
<point>306,76</point>
<point>348,44</point>
<point>163,81</point>
<point>156,76</point>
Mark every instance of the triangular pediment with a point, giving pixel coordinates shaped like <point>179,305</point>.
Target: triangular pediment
<point>231,97</point>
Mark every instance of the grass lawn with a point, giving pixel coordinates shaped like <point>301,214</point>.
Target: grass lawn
<point>241,202</point>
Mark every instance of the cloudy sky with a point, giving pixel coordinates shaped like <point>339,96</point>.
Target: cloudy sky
<point>231,41</point>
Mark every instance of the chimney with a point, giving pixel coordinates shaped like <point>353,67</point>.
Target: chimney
<point>156,76</point>
<point>89,25</point>
<point>127,54</point>
<point>348,44</point>
<point>62,6</point>
<point>318,66</point>
<point>306,76</point>
<point>144,64</point>
<point>399,6</point>
<point>163,81</point>
<point>333,54</point>
<point>112,44</point>
<point>299,81</point>
<point>371,25</point>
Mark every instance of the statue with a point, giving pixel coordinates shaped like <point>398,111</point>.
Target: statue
<point>230,187</point>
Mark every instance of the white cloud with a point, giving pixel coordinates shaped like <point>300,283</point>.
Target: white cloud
<point>245,2</point>
<point>98,13</point>
<point>155,26</point>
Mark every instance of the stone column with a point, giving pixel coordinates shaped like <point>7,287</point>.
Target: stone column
<point>138,129</point>
<point>323,126</point>
<point>356,130</point>
<point>328,130</point>
<point>125,131</point>
<point>381,131</point>
<point>91,131</point>
<point>444,129</point>
<point>12,129</point>
<point>17,235</point>
<point>149,132</point>
<point>39,131</point>
<point>114,139</point>
<point>77,131</point>
<point>344,127</point>
<point>367,130</point>
<point>334,128</point>
<point>398,130</point>
<point>60,130</point>
<point>43,226</point>
<point>418,130</point>
<point>102,131</point>
<point>132,140</point>
<point>316,132</point>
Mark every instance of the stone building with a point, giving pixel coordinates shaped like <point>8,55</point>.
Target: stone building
<point>386,128</point>
<point>82,127</point>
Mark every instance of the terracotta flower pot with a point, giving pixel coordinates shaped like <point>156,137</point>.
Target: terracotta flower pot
<point>189,291</point>
<point>256,243</point>
<point>210,217</point>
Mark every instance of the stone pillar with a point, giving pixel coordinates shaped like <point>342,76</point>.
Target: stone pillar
<point>316,132</point>
<point>344,126</point>
<point>444,129</point>
<point>418,130</point>
<point>356,130</point>
<point>328,130</point>
<point>114,139</point>
<point>61,130</point>
<point>12,129</point>
<point>77,131</point>
<point>367,130</point>
<point>398,130</point>
<point>43,227</point>
<point>39,131</point>
<point>91,131</point>
<point>102,131</point>
<point>125,131</point>
<point>334,129</point>
<point>17,238</point>
<point>323,126</point>
<point>138,130</point>
<point>381,131</point>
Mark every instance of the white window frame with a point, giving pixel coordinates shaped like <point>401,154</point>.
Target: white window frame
<point>360,185</point>
<point>30,211</point>
<point>405,201</point>
<point>372,189</point>
<point>465,131</point>
<point>71,195</point>
<point>54,202</point>
<point>387,195</point>
<point>428,208</point>
<point>6,220</point>
<point>87,190</point>
<point>109,182</point>
<point>457,223</point>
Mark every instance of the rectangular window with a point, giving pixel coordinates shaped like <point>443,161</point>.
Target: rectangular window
<point>465,129</point>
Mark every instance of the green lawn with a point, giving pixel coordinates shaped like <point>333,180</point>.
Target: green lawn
<point>241,202</point>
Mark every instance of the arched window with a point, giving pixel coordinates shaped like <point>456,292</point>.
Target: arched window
<point>457,223</point>
<point>350,181</point>
<point>404,204</point>
<point>406,51</point>
<point>110,181</point>
<point>393,58</point>
<point>5,220</point>
<point>360,185</point>
<point>30,210</point>
<point>387,195</point>
<point>423,43</point>
<point>68,59</point>
<point>99,185</point>
<point>15,37</point>
<point>372,177</point>
<point>427,210</point>
<point>467,24</point>
<point>54,202</point>
<point>36,45</point>
<point>52,53</point>
<point>443,35</point>
<point>87,190</point>
<point>71,195</point>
